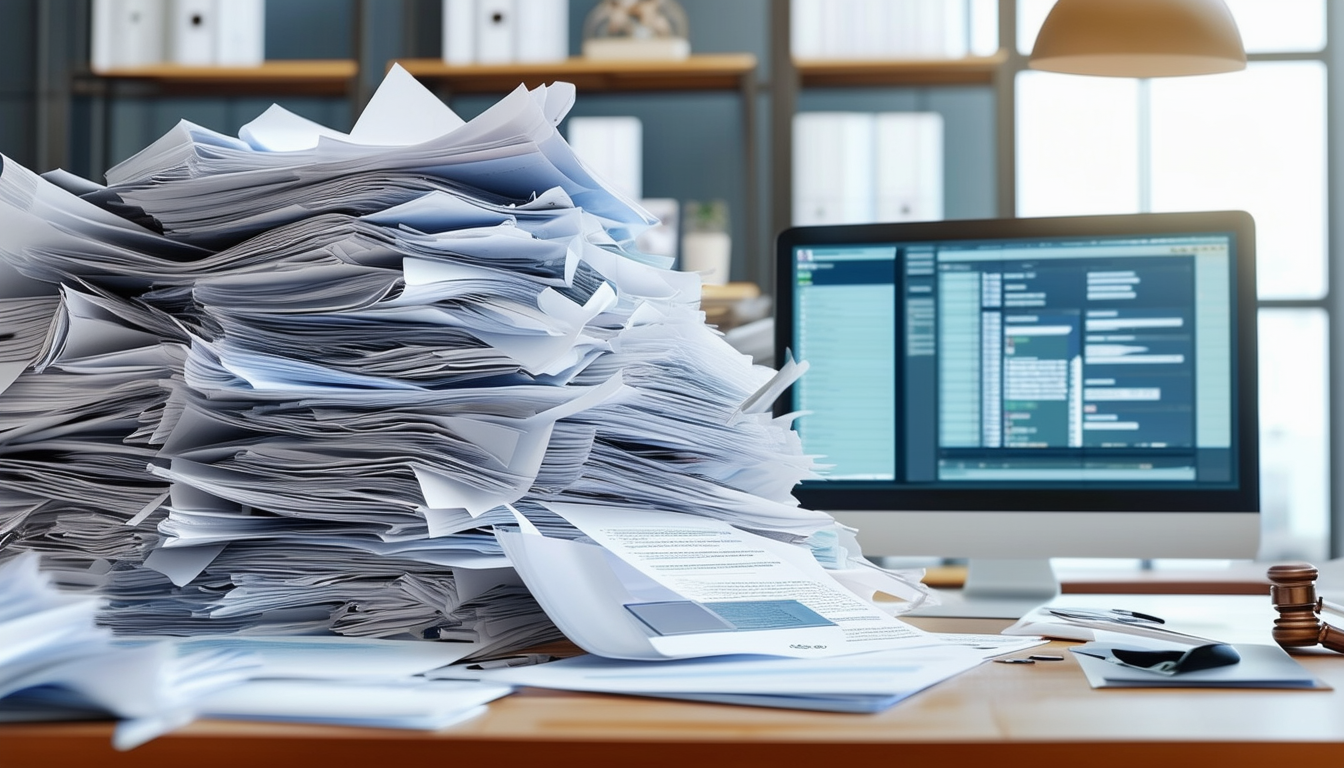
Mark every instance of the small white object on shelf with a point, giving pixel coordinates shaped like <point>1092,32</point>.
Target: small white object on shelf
<point>707,247</point>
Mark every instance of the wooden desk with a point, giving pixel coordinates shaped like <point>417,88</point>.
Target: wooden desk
<point>1243,578</point>
<point>997,714</point>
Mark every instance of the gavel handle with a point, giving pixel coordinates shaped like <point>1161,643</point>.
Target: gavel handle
<point>1331,637</point>
<point>1334,608</point>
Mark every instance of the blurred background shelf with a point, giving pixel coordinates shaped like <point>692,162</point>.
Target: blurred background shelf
<point>716,71</point>
<point>831,73</point>
<point>327,76</point>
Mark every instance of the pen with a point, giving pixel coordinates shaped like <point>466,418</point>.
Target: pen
<point>1137,615</point>
<point>1115,615</point>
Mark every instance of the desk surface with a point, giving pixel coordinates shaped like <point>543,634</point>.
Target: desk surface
<point>996,714</point>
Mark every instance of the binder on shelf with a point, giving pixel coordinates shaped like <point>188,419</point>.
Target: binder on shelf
<point>127,33</point>
<point>909,161</point>
<point>871,28</point>
<point>832,168</point>
<point>541,30</point>
<point>805,28</point>
<point>879,29</point>
<point>495,22</point>
<point>857,167</point>
<point>240,32</point>
<point>613,149</point>
<point>459,31</point>
<point>191,32</point>
<point>957,30</point>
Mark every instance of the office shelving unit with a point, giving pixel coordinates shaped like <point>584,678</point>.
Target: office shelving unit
<point>714,71</point>
<point>721,72</point>
<point>318,77</point>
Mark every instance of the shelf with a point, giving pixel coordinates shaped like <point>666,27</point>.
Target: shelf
<point>699,72</point>
<point>326,76</point>
<point>974,70</point>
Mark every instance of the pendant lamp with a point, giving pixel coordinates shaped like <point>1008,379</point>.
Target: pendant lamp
<point>1139,38</point>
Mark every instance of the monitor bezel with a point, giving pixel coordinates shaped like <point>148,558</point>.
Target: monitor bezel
<point>863,496</point>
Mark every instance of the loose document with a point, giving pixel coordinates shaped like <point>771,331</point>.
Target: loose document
<point>650,585</point>
<point>55,663</point>
<point>867,682</point>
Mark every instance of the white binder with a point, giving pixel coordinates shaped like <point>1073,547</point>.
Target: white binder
<point>240,32</point>
<point>459,31</point>
<point>909,166</point>
<point>127,33</point>
<point>833,168</point>
<point>541,30</point>
<point>191,32</point>
<point>495,23</point>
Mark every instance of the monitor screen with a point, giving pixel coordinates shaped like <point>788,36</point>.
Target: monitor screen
<point>1085,385</point>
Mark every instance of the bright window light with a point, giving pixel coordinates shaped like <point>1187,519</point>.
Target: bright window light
<point>1077,145</point>
<point>1294,443</point>
<point>1253,141</point>
<point>1280,26</point>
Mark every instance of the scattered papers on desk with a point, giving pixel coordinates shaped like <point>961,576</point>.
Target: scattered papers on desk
<point>867,682</point>
<point>418,704</point>
<point>55,662</point>
<point>1042,621</point>
<point>1261,666</point>
<point>349,659</point>
<point>1187,619</point>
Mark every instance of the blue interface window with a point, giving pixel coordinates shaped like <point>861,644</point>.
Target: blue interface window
<point>1054,362</point>
<point>845,310</point>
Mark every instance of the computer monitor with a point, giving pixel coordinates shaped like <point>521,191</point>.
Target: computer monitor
<point>1014,390</point>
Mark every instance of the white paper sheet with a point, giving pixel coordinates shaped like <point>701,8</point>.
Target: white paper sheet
<point>771,598</point>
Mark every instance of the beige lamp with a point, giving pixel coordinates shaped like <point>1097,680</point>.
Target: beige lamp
<point>1139,38</point>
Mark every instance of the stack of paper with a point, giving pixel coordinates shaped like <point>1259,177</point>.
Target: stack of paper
<point>291,382</point>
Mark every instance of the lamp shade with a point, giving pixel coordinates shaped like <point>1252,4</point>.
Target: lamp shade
<point>1139,38</point>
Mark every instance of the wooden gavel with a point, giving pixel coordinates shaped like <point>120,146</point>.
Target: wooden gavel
<point>1293,594</point>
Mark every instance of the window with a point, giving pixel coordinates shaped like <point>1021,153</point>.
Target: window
<point>1252,140</point>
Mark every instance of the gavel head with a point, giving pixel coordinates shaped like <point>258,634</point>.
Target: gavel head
<point>1293,594</point>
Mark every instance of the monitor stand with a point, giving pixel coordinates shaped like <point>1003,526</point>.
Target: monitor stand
<point>997,589</point>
